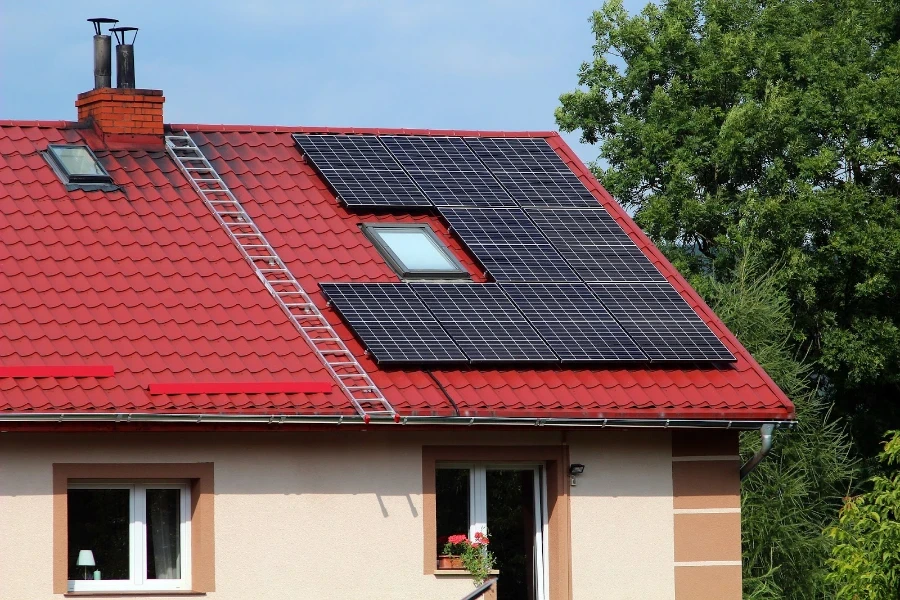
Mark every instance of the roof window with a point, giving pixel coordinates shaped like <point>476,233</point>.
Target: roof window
<point>414,251</point>
<point>78,164</point>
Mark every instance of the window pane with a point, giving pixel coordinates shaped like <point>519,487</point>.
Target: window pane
<point>451,504</point>
<point>77,161</point>
<point>163,534</point>
<point>99,521</point>
<point>416,250</point>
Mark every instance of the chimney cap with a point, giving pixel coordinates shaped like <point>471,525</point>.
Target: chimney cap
<point>123,31</point>
<point>98,21</point>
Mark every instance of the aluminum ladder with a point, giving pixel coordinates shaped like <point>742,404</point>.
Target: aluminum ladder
<point>356,384</point>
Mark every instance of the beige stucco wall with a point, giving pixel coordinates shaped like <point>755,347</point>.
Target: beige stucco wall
<point>339,515</point>
<point>622,523</point>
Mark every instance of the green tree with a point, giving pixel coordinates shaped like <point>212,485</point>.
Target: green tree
<point>866,557</point>
<point>791,497</point>
<point>776,123</point>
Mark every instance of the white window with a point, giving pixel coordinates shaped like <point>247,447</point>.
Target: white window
<point>509,502</point>
<point>129,536</point>
<point>414,251</point>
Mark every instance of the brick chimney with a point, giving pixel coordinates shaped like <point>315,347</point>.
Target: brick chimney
<point>123,111</point>
<point>122,116</point>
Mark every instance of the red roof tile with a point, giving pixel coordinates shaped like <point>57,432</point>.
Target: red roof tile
<point>144,279</point>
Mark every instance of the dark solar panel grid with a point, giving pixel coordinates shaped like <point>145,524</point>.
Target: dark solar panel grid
<point>447,170</point>
<point>573,322</point>
<point>508,244</point>
<point>531,171</point>
<point>484,322</point>
<point>360,170</point>
<point>594,244</point>
<point>664,326</point>
<point>392,323</point>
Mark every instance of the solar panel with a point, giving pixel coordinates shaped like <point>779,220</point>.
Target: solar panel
<point>573,322</point>
<point>508,244</point>
<point>531,171</point>
<point>447,171</point>
<point>484,322</point>
<point>392,323</point>
<point>594,244</point>
<point>360,170</point>
<point>664,326</point>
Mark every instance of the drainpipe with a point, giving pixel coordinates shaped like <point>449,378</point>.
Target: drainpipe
<point>765,433</point>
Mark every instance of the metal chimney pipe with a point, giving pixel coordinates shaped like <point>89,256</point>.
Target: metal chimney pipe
<point>124,57</point>
<point>102,54</point>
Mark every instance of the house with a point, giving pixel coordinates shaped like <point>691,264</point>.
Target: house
<point>286,362</point>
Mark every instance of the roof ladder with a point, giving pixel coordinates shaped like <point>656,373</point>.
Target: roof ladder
<point>350,376</point>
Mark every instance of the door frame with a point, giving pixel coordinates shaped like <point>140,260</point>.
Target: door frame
<point>557,544</point>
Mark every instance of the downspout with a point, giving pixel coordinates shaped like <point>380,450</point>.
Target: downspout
<point>765,433</point>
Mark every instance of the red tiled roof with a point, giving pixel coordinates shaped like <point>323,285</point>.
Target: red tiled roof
<point>144,279</point>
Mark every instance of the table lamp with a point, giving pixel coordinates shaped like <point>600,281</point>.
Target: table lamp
<point>85,559</point>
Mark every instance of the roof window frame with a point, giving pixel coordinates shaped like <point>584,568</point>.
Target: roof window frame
<point>78,178</point>
<point>459,271</point>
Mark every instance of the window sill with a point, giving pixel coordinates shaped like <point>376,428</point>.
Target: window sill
<point>145,593</point>
<point>461,572</point>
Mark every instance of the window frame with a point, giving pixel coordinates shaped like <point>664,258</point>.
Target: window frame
<point>137,533</point>
<point>554,500</point>
<point>459,271</point>
<point>77,177</point>
<point>201,478</point>
<point>478,507</point>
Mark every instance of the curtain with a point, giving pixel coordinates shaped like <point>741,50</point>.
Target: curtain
<point>164,543</point>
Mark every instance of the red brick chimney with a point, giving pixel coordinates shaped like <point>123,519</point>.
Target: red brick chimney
<point>117,111</point>
<point>121,115</point>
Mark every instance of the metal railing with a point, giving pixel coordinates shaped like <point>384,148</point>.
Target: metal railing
<point>481,590</point>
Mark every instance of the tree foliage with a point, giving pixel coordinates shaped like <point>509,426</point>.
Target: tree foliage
<point>796,492</point>
<point>774,123</point>
<point>866,557</point>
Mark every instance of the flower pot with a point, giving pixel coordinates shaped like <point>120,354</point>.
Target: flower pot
<point>450,561</point>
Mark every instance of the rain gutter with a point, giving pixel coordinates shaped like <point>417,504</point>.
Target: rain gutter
<point>283,419</point>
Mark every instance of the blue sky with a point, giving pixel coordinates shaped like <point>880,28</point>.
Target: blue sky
<point>490,64</point>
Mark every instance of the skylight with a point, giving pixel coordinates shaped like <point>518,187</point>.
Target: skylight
<point>415,251</point>
<point>78,164</point>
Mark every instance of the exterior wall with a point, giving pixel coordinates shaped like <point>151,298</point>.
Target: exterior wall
<point>622,523</point>
<point>340,514</point>
<point>707,506</point>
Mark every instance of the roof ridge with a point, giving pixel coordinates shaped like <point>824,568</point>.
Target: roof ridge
<point>223,128</point>
<point>35,123</point>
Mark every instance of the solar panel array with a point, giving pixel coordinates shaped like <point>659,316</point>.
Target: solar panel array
<point>531,171</point>
<point>447,171</point>
<point>594,245</point>
<point>573,322</point>
<point>508,244</point>
<point>392,323</point>
<point>574,287</point>
<point>484,322</point>
<point>660,321</point>
<point>360,170</point>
